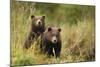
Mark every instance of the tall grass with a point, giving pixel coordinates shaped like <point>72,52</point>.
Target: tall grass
<point>78,40</point>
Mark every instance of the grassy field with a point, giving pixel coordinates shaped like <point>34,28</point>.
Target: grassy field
<point>78,32</point>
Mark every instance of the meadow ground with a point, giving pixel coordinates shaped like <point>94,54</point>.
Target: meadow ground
<point>78,33</point>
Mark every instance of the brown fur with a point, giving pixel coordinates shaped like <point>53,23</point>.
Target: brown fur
<point>47,45</point>
<point>37,28</point>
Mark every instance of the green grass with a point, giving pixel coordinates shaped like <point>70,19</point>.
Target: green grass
<point>78,40</point>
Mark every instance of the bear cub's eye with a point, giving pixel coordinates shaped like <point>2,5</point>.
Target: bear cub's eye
<point>59,30</point>
<point>49,29</point>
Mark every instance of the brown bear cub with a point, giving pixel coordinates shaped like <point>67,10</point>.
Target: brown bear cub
<point>51,42</point>
<point>37,28</point>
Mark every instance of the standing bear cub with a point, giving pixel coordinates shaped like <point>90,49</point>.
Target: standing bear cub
<point>51,41</point>
<point>37,28</point>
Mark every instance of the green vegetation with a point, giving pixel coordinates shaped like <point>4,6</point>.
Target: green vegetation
<point>78,32</point>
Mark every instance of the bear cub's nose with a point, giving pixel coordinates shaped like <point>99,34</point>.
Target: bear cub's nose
<point>40,23</point>
<point>55,41</point>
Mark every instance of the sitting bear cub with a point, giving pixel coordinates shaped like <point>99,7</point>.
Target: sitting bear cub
<point>51,42</point>
<point>37,28</point>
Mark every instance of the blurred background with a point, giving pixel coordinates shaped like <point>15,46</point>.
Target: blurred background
<point>78,32</point>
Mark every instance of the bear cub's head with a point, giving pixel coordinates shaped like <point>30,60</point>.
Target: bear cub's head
<point>38,21</point>
<point>53,34</point>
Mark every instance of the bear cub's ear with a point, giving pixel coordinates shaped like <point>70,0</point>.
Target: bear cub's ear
<point>59,29</point>
<point>43,17</point>
<point>49,28</point>
<point>32,16</point>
